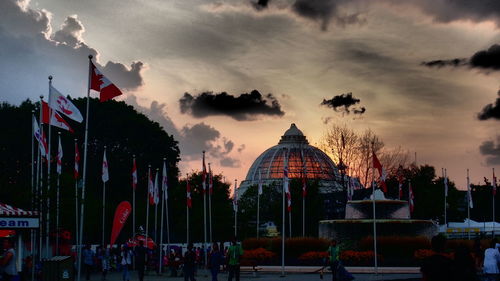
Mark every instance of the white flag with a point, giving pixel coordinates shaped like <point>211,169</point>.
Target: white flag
<point>40,137</point>
<point>62,104</point>
<point>164,182</point>
<point>59,157</point>
<point>105,173</point>
<point>469,194</point>
<point>260,182</point>
<point>235,198</point>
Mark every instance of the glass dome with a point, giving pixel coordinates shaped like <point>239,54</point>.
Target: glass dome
<point>295,147</point>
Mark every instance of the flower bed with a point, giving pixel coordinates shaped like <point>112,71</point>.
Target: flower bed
<point>313,258</point>
<point>359,258</point>
<point>258,256</point>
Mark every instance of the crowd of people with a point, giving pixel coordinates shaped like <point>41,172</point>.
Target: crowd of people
<point>175,263</point>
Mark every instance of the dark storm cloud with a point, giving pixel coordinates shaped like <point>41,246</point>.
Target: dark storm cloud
<point>491,111</point>
<point>242,108</point>
<point>485,59</point>
<point>36,51</point>
<point>325,12</point>
<point>260,4</point>
<point>343,103</point>
<point>491,150</point>
<point>193,139</point>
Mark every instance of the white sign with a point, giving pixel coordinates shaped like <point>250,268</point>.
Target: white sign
<point>19,223</point>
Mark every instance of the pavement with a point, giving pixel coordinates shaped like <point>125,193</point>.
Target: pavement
<point>266,276</point>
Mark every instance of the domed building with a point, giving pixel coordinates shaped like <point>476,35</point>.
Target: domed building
<point>302,157</point>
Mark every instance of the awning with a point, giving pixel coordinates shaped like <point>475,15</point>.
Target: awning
<point>8,210</point>
<point>15,218</point>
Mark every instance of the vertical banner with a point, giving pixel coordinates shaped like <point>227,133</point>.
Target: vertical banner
<point>121,215</point>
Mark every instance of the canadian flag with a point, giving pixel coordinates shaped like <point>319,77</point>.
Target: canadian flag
<point>204,175</point>
<point>105,173</point>
<point>134,175</point>
<point>286,188</point>
<point>62,104</point>
<point>59,157</point>
<point>55,120</point>
<point>400,182</point>
<point>411,197</point>
<point>188,194</point>
<point>101,84</point>
<point>377,165</point>
<point>77,160</point>
<point>40,137</point>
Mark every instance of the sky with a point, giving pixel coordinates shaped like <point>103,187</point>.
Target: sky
<point>230,76</point>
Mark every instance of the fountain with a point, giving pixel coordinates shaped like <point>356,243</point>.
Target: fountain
<point>392,219</point>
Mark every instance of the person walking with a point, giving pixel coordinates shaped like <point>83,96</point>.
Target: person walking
<point>234,253</point>
<point>140,260</point>
<point>88,260</point>
<point>8,261</point>
<point>491,260</point>
<point>126,262</point>
<point>214,261</point>
<point>105,261</point>
<point>189,263</point>
<point>464,266</point>
<point>334,258</point>
<point>437,267</point>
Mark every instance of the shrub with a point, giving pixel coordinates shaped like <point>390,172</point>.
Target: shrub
<point>257,256</point>
<point>294,246</point>
<point>313,258</point>
<point>356,258</point>
<point>425,253</point>
<point>396,246</point>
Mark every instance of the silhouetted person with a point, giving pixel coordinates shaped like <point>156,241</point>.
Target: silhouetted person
<point>491,260</point>
<point>215,259</point>
<point>8,261</point>
<point>140,260</point>
<point>88,260</point>
<point>189,263</point>
<point>234,254</point>
<point>437,267</point>
<point>464,267</point>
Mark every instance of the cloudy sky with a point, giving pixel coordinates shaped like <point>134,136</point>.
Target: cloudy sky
<point>229,76</point>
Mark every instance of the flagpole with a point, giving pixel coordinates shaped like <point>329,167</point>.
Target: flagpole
<point>283,225</point>
<point>468,205</point>
<point>33,195</point>
<point>258,202</point>
<point>445,196</point>
<point>57,199</point>
<point>49,160</point>
<point>40,186</point>
<point>104,202</point>
<point>76,201</point>
<point>210,187</point>
<point>133,202</point>
<point>147,204</point>
<point>156,206</point>
<point>374,217</point>
<point>161,224</point>
<point>187,213</point>
<point>84,176</point>
<point>236,208</point>
<point>204,184</point>
<point>494,185</point>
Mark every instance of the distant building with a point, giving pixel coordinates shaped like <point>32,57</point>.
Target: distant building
<point>318,166</point>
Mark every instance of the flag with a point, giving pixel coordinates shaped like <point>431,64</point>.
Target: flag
<point>377,165</point>
<point>151,189</point>
<point>62,104</point>
<point>134,175</point>
<point>210,180</point>
<point>188,194</point>
<point>40,137</point>
<point>494,183</point>
<point>400,182</point>
<point>55,120</point>
<point>105,173</point>
<point>156,191</point>
<point>469,194</point>
<point>235,197</point>
<point>164,181</point>
<point>59,157</point>
<point>411,197</point>
<point>260,182</point>
<point>304,175</point>
<point>101,84</point>
<point>204,175</point>
<point>77,161</point>
<point>286,188</point>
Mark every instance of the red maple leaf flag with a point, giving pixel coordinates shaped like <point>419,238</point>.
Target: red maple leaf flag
<point>377,165</point>
<point>204,175</point>
<point>151,189</point>
<point>101,84</point>
<point>55,120</point>
<point>62,104</point>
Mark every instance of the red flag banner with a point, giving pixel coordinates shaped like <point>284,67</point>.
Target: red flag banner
<point>121,215</point>
<point>101,84</point>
